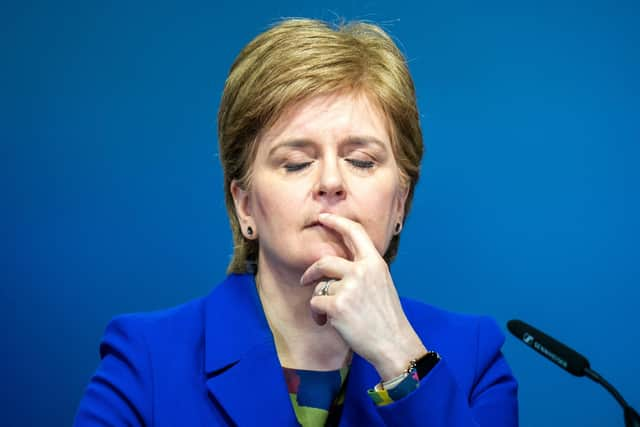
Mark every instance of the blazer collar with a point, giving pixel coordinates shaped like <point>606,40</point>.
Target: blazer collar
<point>242,369</point>
<point>234,322</point>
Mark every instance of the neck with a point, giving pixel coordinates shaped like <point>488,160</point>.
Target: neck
<point>300,342</point>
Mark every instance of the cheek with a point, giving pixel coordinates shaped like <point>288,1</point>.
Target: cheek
<point>379,215</point>
<point>278,206</point>
<point>383,201</point>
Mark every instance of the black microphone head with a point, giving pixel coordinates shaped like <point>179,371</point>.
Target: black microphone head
<point>563,356</point>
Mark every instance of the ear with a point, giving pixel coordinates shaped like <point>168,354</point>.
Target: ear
<point>403,193</point>
<point>242,203</point>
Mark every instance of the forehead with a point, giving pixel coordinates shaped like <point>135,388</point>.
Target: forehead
<point>329,117</point>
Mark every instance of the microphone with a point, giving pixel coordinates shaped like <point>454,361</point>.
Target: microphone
<point>569,360</point>
<point>563,356</point>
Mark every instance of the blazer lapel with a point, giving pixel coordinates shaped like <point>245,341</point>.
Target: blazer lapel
<point>359,409</point>
<point>243,373</point>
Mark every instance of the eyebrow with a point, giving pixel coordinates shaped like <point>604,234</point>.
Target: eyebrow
<point>363,140</point>
<point>293,143</point>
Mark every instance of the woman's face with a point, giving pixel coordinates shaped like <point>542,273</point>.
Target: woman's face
<point>331,153</point>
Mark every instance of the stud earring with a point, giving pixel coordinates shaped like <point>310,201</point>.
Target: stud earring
<point>398,227</point>
<point>250,231</point>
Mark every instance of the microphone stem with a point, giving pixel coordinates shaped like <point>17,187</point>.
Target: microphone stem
<point>597,378</point>
<point>631,417</point>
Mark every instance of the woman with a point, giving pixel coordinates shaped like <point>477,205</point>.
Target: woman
<point>321,145</point>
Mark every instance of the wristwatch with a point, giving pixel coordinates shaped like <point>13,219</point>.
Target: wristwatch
<point>425,364</point>
<point>417,367</point>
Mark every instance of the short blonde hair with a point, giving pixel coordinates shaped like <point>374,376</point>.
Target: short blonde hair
<point>293,61</point>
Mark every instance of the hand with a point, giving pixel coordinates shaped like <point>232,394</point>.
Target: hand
<point>363,304</point>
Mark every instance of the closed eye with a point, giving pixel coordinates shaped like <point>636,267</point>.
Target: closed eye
<point>295,167</point>
<point>362,164</point>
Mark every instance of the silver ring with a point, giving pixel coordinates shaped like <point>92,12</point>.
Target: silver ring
<point>324,290</point>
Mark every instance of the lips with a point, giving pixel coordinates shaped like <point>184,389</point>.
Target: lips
<point>313,222</point>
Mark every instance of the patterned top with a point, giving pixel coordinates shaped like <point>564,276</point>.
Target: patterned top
<point>317,396</point>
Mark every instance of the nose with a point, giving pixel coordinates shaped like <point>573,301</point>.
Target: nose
<point>330,185</point>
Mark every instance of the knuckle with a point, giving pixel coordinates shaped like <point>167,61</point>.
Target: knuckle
<point>359,270</point>
<point>315,302</point>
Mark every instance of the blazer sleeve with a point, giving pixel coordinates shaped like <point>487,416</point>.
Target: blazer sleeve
<point>119,393</point>
<point>441,402</point>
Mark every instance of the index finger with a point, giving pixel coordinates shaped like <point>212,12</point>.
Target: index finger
<point>354,235</point>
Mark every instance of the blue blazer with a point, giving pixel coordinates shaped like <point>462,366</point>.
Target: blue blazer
<point>213,362</point>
